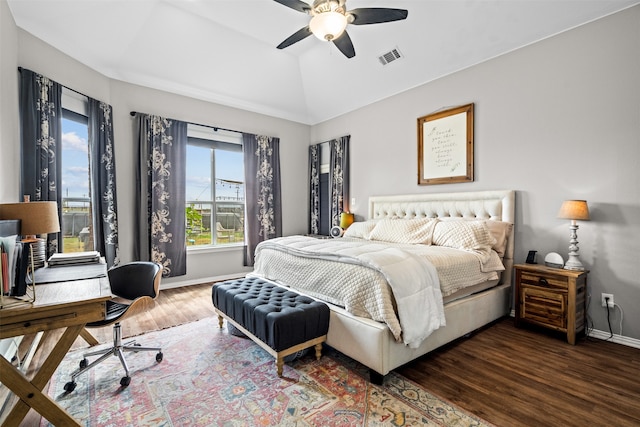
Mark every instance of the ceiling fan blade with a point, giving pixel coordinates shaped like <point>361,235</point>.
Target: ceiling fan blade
<point>301,34</point>
<point>344,44</point>
<point>298,5</point>
<point>377,15</point>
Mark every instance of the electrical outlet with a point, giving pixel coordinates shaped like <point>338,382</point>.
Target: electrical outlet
<point>604,301</point>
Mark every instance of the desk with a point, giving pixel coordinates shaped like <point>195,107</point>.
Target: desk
<point>69,305</point>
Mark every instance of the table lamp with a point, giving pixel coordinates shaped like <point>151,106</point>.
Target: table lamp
<point>36,218</point>
<point>574,210</point>
<point>346,219</point>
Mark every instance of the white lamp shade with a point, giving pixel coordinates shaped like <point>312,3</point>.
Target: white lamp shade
<point>328,25</point>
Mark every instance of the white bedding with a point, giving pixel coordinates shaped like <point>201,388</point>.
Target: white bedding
<point>372,279</point>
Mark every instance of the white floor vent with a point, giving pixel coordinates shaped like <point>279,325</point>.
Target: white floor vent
<point>390,56</point>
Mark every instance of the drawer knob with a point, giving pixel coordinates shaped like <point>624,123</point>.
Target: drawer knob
<point>27,324</point>
<point>543,282</point>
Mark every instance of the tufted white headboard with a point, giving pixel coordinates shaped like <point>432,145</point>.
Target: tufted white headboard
<point>498,205</point>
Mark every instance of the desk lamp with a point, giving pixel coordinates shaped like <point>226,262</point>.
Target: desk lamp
<point>36,218</point>
<point>574,210</point>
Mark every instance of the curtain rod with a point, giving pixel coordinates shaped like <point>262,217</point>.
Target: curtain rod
<point>61,85</point>
<point>215,128</point>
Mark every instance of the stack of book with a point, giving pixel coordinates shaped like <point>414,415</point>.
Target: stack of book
<point>74,258</point>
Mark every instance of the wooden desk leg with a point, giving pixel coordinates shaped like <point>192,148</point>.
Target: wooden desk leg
<point>30,392</point>
<point>90,339</point>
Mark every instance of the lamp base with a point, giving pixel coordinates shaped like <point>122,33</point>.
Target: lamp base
<point>39,251</point>
<point>573,263</point>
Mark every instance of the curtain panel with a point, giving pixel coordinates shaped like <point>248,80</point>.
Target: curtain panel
<point>339,177</point>
<point>314,189</point>
<point>263,217</point>
<point>102,170</point>
<point>40,107</point>
<point>41,130</point>
<point>160,199</point>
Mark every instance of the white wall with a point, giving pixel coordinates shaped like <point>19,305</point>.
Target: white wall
<point>9,132</point>
<point>559,119</point>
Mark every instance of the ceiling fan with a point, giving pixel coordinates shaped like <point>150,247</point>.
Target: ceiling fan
<point>329,18</point>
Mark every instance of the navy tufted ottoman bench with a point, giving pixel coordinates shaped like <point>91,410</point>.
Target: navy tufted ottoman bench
<point>281,321</point>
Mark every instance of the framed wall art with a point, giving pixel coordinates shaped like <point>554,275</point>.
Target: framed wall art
<point>445,146</point>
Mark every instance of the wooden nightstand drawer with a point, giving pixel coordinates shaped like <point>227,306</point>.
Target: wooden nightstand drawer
<point>543,307</point>
<point>551,297</point>
<point>552,281</point>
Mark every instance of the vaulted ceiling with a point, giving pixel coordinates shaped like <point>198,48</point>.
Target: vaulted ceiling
<point>224,51</point>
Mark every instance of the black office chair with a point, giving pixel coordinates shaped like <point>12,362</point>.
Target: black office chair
<point>138,283</point>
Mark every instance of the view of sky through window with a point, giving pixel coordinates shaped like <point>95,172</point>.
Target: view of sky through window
<point>75,160</point>
<point>229,174</point>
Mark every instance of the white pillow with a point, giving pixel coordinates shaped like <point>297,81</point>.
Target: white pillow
<point>472,236</point>
<point>415,230</point>
<point>500,230</point>
<point>360,230</point>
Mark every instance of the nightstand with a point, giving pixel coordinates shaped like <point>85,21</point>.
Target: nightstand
<point>551,297</point>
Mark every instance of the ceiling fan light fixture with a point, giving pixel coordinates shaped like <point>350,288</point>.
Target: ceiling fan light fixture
<point>328,25</point>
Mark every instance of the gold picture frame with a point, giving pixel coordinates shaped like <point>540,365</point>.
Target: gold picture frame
<point>445,146</point>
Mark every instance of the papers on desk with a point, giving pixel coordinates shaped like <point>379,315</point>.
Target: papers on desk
<point>68,273</point>
<point>74,258</point>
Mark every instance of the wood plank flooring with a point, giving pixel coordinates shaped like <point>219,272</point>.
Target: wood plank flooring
<point>173,307</point>
<point>509,377</point>
<point>523,377</point>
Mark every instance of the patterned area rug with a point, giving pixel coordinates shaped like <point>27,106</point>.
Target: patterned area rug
<point>211,378</point>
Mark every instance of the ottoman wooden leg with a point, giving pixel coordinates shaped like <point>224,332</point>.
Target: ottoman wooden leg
<point>318,348</point>
<point>279,365</point>
<point>220,321</point>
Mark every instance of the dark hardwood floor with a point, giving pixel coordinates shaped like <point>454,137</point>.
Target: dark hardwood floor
<point>523,377</point>
<point>509,377</point>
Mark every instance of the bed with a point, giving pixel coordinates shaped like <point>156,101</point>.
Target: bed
<point>438,308</point>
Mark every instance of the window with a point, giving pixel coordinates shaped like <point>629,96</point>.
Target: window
<point>214,187</point>
<point>74,182</point>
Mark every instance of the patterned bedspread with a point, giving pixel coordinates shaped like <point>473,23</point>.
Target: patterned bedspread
<point>398,284</point>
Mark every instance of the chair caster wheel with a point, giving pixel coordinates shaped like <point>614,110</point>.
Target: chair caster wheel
<point>83,363</point>
<point>125,381</point>
<point>70,386</point>
<point>159,357</point>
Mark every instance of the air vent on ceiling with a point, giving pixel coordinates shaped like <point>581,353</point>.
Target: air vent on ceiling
<point>390,56</point>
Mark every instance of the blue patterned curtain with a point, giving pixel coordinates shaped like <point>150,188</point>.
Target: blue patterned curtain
<point>40,125</point>
<point>102,169</point>
<point>339,177</point>
<point>263,219</point>
<point>160,195</point>
<point>314,189</point>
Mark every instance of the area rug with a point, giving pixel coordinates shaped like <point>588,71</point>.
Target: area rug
<point>211,378</point>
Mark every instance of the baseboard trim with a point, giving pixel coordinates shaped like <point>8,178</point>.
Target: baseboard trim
<point>618,339</point>
<point>606,336</point>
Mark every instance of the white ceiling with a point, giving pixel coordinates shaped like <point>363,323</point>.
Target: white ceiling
<point>224,51</point>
